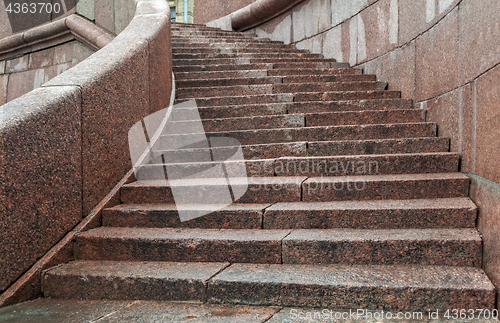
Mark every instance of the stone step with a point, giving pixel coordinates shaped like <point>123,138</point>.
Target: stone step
<point>378,146</point>
<point>207,33</point>
<point>346,95</point>
<point>328,87</point>
<point>227,107</point>
<point>364,117</point>
<point>246,60</point>
<point>275,54</point>
<point>234,216</point>
<point>250,152</point>
<point>322,133</point>
<point>445,213</point>
<point>303,166</point>
<point>233,50</point>
<point>420,163</point>
<point>258,190</point>
<point>240,123</point>
<point>181,245</point>
<point>441,247</point>
<point>319,66</point>
<point>349,105</point>
<point>178,36</point>
<point>228,81</point>
<point>314,71</point>
<point>294,120</point>
<point>380,187</point>
<point>246,100</point>
<point>329,78</point>
<point>222,40</point>
<point>218,91</point>
<point>439,213</point>
<point>295,189</point>
<point>121,280</point>
<point>436,247</point>
<point>225,45</point>
<point>315,149</point>
<point>207,75</point>
<point>418,288</point>
<point>222,67</point>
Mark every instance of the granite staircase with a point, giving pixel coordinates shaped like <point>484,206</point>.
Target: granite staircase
<point>375,215</point>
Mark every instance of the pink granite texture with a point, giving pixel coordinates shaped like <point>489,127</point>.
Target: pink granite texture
<point>65,146</point>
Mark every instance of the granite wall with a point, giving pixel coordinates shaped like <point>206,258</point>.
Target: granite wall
<point>208,10</point>
<point>64,146</point>
<point>443,54</point>
<point>25,73</point>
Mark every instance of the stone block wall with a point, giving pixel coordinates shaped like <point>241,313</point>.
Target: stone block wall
<point>22,74</point>
<point>443,54</point>
<point>208,10</point>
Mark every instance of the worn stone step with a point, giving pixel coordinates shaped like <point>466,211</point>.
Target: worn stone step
<point>378,146</point>
<point>218,91</point>
<point>233,50</point>
<point>377,214</point>
<point>328,86</point>
<point>246,60</point>
<point>258,190</point>
<point>314,71</point>
<point>234,216</point>
<point>250,152</point>
<point>329,78</point>
<point>364,117</point>
<point>275,54</point>
<point>207,75</point>
<point>221,39</point>
<point>222,67</point>
<point>418,288</point>
<point>181,245</point>
<point>194,36</point>
<point>346,95</point>
<point>319,66</point>
<point>121,280</point>
<point>321,133</point>
<point>437,247</point>
<point>236,110</point>
<point>419,163</point>
<point>380,187</point>
<point>243,100</point>
<point>228,81</point>
<point>240,123</point>
<point>223,45</point>
<point>349,105</point>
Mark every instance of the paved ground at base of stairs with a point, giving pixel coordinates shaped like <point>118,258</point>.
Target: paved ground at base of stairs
<point>55,311</point>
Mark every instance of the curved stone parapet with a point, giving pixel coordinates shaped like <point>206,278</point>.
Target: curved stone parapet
<point>64,145</point>
<point>259,12</point>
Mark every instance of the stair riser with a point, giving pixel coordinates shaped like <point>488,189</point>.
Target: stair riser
<point>246,60</point>
<point>365,165</point>
<point>222,219</point>
<point>325,87</point>
<point>232,50</point>
<point>260,192</point>
<point>232,45</point>
<point>235,112</point>
<point>192,250</point>
<point>315,72</point>
<point>249,55</point>
<point>329,78</point>
<point>229,124</point>
<point>195,76</point>
<point>200,68</point>
<point>348,189</point>
<point>306,216</point>
<point>369,147</point>
<point>188,93</point>
<point>340,96</point>
<point>364,117</point>
<point>226,82</point>
<point>350,105</point>
<point>267,151</point>
<point>246,100</point>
